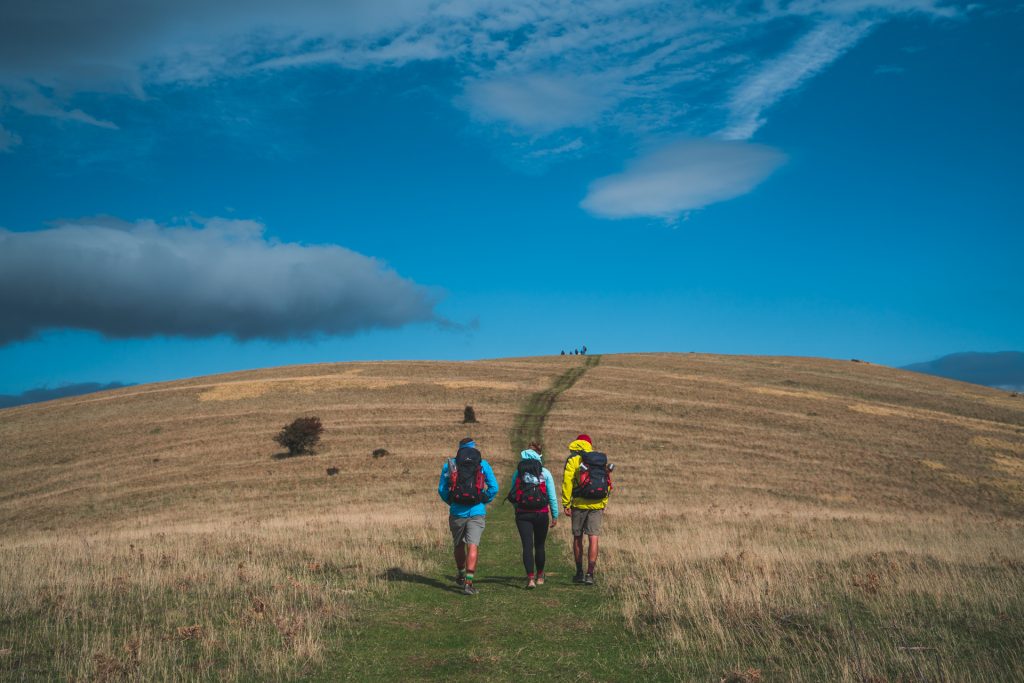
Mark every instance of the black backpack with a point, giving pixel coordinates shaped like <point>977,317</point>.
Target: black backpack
<point>529,495</point>
<point>466,481</point>
<point>595,481</point>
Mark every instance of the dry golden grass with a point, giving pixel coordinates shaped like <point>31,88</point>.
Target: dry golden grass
<point>150,533</point>
<point>811,519</point>
<point>796,519</point>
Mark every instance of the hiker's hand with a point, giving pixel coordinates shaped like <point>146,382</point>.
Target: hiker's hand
<point>554,523</point>
<point>568,512</point>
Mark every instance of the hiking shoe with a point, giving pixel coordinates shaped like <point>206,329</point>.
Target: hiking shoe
<point>469,590</point>
<point>540,579</point>
<point>578,578</point>
<point>588,580</point>
<point>460,580</point>
<point>531,584</point>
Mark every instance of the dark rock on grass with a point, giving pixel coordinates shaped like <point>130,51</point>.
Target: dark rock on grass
<point>380,452</point>
<point>331,471</point>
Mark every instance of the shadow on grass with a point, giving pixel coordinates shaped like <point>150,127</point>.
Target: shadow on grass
<point>510,581</point>
<point>285,455</point>
<point>399,574</point>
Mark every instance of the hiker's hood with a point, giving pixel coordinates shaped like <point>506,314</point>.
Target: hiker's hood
<point>581,445</point>
<point>530,454</point>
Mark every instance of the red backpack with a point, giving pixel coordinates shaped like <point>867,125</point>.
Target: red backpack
<point>595,477</point>
<point>529,490</point>
<point>466,482</point>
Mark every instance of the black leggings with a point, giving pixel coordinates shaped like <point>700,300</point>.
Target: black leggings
<point>533,531</point>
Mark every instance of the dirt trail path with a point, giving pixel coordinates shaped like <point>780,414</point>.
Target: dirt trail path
<point>426,630</point>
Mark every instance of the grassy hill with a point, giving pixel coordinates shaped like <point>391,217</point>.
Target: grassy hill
<point>774,519</point>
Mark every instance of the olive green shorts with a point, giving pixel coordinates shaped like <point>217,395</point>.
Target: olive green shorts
<point>586,522</point>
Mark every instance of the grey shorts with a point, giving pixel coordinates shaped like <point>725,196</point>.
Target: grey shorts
<point>466,529</point>
<point>586,522</point>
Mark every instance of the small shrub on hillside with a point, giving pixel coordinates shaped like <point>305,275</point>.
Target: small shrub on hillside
<point>380,452</point>
<point>301,436</point>
<point>468,415</point>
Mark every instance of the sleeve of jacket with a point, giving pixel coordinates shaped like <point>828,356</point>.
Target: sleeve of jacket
<point>492,481</point>
<point>442,485</point>
<point>552,496</point>
<point>571,465</point>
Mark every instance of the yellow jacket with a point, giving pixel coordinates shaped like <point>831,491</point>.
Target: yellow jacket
<point>571,478</point>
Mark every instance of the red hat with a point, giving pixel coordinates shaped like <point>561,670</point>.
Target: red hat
<point>584,437</point>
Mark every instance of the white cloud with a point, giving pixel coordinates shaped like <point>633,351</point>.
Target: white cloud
<point>8,140</point>
<point>574,145</point>
<point>681,177</point>
<point>539,103</point>
<point>767,85</point>
<point>219,277</point>
<point>36,103</point>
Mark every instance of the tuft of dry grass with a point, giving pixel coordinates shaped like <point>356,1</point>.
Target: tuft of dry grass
<point>230,600</point>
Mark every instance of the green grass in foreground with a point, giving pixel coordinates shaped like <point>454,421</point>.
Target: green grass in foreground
<point>427,630</point>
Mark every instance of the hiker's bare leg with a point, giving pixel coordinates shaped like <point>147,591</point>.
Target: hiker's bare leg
<point>460,556</point>
<point>592,549</point>
<point>577,548</point>
<point>470,558</point>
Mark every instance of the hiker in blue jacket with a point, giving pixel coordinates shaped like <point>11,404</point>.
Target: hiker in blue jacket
<point>467,485</point>
<point>535,498</point>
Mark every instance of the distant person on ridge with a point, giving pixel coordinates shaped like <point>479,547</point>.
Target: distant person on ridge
<point>586,486</point>
<point>533,495</point>
<point>467,485</point>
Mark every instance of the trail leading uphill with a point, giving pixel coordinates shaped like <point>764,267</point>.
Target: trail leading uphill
<point>427,630</point>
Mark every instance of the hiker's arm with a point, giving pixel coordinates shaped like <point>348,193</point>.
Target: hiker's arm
<point>442,485</point>
<point>492,482</point>
<point>512,486</point>
<point>571,465</point>
<point>552,496</point>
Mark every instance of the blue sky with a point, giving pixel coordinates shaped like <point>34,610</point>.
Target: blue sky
<point>189,190</point>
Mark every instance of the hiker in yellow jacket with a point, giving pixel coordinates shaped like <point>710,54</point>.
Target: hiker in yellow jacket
<point>585,490</point>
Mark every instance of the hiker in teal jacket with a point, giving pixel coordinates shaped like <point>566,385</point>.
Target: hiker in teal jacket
<point>459,510</point>
<point>535,511</point>
<point>466,520</point>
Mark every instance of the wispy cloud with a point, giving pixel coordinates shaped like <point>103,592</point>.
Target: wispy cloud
<point>35,102</point>
<point>681,177</point>
<point>546,74</point>
<point>540,103</point>
<point>216,277</point>
<point>538,66</point>
<point>8,140</point>
<point>767,85</point>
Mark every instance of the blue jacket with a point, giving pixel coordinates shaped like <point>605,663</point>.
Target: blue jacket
<point>461,509</point>
<point>530,454</point>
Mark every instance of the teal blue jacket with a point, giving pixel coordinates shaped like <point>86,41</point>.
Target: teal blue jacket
<point>461,509</point>
<point>549,482</point>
